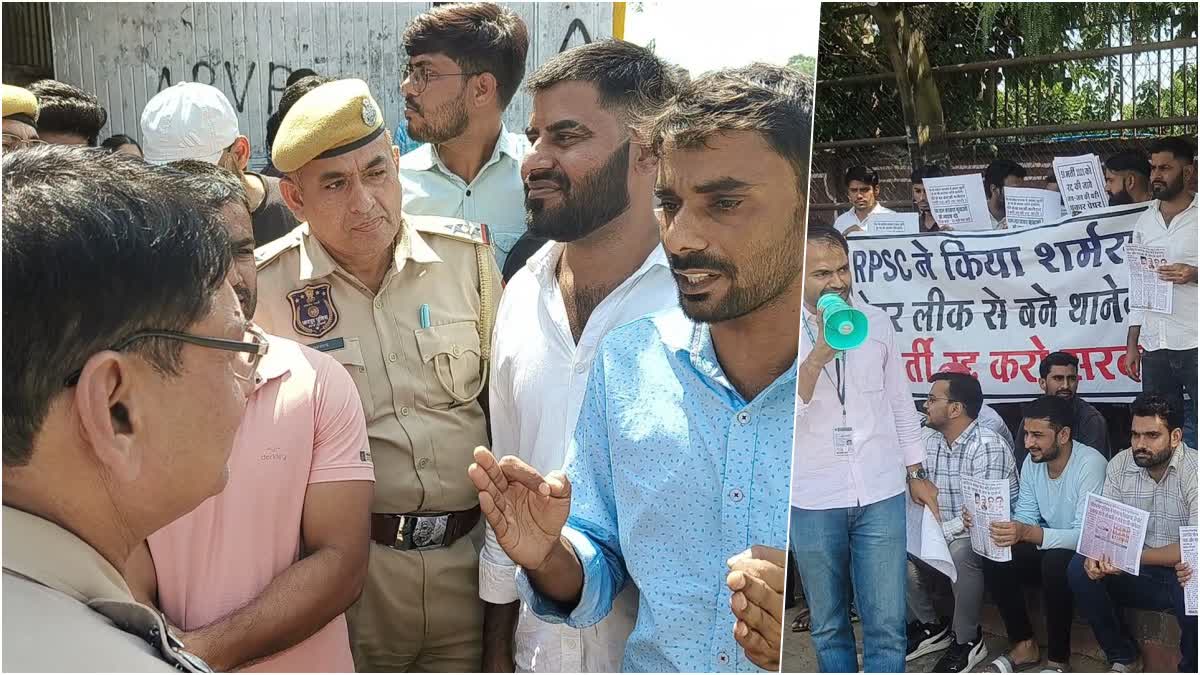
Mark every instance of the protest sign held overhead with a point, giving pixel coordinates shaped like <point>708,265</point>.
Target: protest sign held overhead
<point>1081,180</point>
<point>959,202</point>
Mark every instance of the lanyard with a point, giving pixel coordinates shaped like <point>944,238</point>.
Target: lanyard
<point>838,361</point>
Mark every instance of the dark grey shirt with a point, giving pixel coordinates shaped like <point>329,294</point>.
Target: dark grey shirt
<point>1088,427</point>
<point>272,219</point>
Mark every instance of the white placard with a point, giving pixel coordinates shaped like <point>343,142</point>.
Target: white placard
<point>1081,181</point>
<point>1113,531</point>
<point>988,502</point>
<point>959,202</point>
<point>1146,290</point>
<point>925,539</point>
<point>1030,207</point>
<point>893,223</point>
<point>1187,551</point>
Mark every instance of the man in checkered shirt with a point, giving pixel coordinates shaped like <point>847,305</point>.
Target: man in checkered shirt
<point>1156,474</point>
<point>956,445</point>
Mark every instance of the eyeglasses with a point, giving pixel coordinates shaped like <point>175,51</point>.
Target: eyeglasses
<point>14,142</point>
<point>250,351</point>
<point>939,398</point>
<point>420,76</point>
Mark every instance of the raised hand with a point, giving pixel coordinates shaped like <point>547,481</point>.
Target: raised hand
<point>526,510</point>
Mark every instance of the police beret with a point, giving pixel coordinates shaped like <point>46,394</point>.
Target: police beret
<point>20,105</point>
<point>332,119</point>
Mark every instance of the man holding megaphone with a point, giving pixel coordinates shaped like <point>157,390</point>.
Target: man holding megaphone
<point>857,444</point>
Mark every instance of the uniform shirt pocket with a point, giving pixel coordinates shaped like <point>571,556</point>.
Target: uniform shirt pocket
<point>450,354</point>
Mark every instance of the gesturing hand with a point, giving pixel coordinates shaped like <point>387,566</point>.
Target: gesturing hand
<point>757,578</point>
<point>526,511</point>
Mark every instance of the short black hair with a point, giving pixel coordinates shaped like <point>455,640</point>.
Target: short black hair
<point>1129,160</point>
<point>630,79</point>
<point>926,171</point>
<point>863,175</point>
<point>96,246</point>
<point>114,142</point>
<point>297,75</point>
<point>964,389</point>
<point>1183,148</point>
<point>1169,409</point>
<point>1057,359</point>
<point>209,184</point>
<point>1057,410</point>
<point>68,110</point>
<point>998,170</point>
<point>294,92</point>
<point>479,37</point>
<point>828,236</point>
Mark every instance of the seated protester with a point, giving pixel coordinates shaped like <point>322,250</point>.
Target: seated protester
<point>1058,375</point>
<point>1056,476</point>
<point>67,115</point>
<point>1157,473</point>
<point>998,175</point>
<point>988,417</point>
<point>862,188</point>
<point>921,201</point>
<point>961,447</point>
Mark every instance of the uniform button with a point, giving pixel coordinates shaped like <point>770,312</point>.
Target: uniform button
<point>423,463</point>
<point>404,411</point>
<point>392,357</point>
<point>722,658</point>
<point>736,495</point>
<point>456,351</point>
<point>743,418</point>
<point>378,303</point>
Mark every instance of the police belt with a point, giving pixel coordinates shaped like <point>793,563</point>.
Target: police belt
<point>422,531</point>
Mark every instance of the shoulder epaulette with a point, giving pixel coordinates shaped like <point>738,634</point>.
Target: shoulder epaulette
<point>454,228</point>
<point>272,250</point>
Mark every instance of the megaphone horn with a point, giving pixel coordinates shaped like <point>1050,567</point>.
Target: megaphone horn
<point>845,327</point>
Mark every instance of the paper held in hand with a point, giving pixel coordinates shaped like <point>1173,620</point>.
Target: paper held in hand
<point>1146,290</point>
<point>894,223</point>
<point>1081,180</point>
<point>1187,551</point>
<point>925,539</point>
<point>959,201</point>
<point>988,502</point>
<point>1113,532</point>
<point>1030,207</point>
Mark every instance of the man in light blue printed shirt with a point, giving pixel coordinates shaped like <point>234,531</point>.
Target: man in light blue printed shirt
<point>677,477</point>
<point>466,62</point>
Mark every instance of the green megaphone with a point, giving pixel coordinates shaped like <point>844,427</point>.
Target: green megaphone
<point>845,327</point>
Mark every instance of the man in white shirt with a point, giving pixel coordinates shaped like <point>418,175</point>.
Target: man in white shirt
<point>857,442</point>
<point>589,190</point>
<point>998,175</point>
<point>1166,362</point>
<point>862,187</point>
<point>466,62</point>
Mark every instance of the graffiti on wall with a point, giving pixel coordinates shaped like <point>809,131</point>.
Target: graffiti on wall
<point>227,76</point>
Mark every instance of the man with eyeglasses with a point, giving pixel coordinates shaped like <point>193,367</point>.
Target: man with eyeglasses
<point>406,303</point>
<point>286,542</point>
<point>466,61</point>
<point>126,372</point>
<point>20,118</point>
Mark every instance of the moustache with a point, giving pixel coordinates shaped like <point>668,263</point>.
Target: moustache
<point>700,261</point>
<point>411,104</point>
<point>557,177</point>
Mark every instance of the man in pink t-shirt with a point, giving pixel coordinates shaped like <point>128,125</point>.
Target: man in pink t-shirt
<point>258,578</point>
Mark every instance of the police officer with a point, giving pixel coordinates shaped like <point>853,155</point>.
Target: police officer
<point>20,117</point>
<point>405,303</point>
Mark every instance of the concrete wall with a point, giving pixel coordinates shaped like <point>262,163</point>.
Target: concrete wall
<point>125,53</point>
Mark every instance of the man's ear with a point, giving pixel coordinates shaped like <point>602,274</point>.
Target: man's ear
<point>241,152</point>
<point>110,415</point>
<point>644,159</point>
<point>292,196</point>
<point>485,90</point>
<point>1176,437</point>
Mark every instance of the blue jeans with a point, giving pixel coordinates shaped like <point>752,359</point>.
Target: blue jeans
<point>863,546</point>
<point>1170,373</point>
<point>1100,602</point>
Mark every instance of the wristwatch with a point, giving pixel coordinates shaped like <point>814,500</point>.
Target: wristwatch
<point>918,473</point>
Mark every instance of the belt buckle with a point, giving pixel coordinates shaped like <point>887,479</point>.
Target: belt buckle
<point>421,532</point>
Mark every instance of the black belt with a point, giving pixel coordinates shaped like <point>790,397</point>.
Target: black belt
<point>421,531</point>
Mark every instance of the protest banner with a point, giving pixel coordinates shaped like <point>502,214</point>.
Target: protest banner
<point>1030,207</point>
<point>959,202</point>
<point>988,502</point>
<point>893,223</point>
<point>1081,180</point>
<point>924,539</point>
<point>1187,551</point>
<point>1113,532</point>
<point>999,302</point>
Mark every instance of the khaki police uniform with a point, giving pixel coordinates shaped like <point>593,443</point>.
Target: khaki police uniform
<point>420,374</point>
<point>67,609</point>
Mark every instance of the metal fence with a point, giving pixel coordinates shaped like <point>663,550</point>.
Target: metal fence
<point>1116,82</point>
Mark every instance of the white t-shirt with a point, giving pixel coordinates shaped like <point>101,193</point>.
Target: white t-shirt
<point>849,219</point>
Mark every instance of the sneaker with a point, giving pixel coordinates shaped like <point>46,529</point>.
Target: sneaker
<point>927,638</point>
<point>962,658</point>
<point>1135,667</point>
